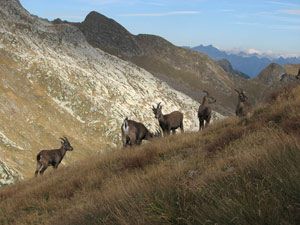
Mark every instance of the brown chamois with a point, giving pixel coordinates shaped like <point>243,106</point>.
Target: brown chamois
<point>133,133</point>
<point>204,111</point>
<point>52,157</point>
<point>243,107</point>
<point>170,121</point>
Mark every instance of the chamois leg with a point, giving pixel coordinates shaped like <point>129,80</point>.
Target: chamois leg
<point>138,142</point>
<point>43,169</point>
<point>38,167</point>
<point>124,140</point>
<point>173,131</point>
<point>181,127</point>
<point>201,125</point>
<point>164,133</point>
<point>133,140</point>
<point>55,166</point>
<point>168,132</point>
<point>207,121</point>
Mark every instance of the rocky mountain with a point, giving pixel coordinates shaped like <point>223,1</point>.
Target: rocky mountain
<point>54,83</point>
<point>186,71</point>
<point>227,67</point>
<point>273,74</point>
<point>250,64</point>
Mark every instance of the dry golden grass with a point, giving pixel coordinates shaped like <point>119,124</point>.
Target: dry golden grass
<point>228,174</point>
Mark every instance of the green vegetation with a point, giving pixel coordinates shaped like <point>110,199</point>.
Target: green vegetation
<point>231,173</point>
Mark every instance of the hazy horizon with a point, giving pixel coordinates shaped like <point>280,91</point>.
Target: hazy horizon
<point>271,27</point>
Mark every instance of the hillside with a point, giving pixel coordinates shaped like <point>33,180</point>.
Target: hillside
<point>54,83</point>
<point>228,174</point>
<point>185,70</point>
<point>227,67</point>
<point>292,68</point>
<point>274,75</point>
<point>251,64</point>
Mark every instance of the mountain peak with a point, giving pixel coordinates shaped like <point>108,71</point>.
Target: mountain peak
<point>271,74</point>
<point>97,16</point>
<point>10,3</point>
<point>102,31</point>
<point>13,9</point>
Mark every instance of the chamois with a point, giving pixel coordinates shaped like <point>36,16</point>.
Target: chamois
<point>170,121</point>
<point>243,107</point>
<point>133,133</point>
<point>204,111</point>
<point>52,157</point>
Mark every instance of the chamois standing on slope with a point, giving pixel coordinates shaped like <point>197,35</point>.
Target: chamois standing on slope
<point>52,157</point>
<point>204,111</point>
<point>133,133</point>
<point>243,107</point>
<point>170,121</point>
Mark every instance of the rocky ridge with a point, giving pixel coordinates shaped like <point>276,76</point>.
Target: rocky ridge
<point>274,74</point>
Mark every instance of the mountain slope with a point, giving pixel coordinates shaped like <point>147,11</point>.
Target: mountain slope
<point>292,68</point>
<point>274,74</point>
<point>227,67</point>
<point>228,174</point>
<point>55,84</point>
<point>187,71</point>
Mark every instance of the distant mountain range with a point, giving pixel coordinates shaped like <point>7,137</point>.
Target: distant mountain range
<point>251,64</point>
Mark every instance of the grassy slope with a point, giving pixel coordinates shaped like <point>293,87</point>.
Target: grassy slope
<point>228,174</point>
<point>292,68</point>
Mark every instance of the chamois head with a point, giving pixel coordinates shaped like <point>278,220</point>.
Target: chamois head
<point>212,99</point>
<point>66,144</point>
<point>206,92</point>
<point>157,111</point>
<point>242,95</point>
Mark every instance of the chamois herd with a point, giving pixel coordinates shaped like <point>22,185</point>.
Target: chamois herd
<point>133,133</point>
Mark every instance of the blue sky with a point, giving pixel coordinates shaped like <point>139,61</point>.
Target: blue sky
<point>259,25</point>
